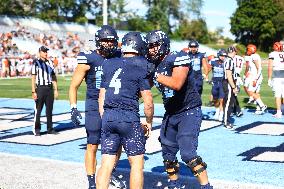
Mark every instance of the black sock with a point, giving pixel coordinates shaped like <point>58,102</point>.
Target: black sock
<point>92,180</point>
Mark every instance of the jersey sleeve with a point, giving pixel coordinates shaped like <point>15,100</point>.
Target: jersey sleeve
<point>181,59</point>
<point>144,83</point>
<point>82,58</point>
<point>271,56</point>
<point>256,57</point>
<point>34,67</point>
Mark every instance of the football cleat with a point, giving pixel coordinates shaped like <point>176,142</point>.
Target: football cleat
<point>117,182</point>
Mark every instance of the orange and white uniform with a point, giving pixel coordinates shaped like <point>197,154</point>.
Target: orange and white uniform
<point>253,77</point>
<point>278,73</point>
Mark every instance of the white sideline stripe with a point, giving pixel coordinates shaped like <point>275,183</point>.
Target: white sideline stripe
<point>60,117</point>
<point>14,116</point>
<point>10,110</point>
<point>266,129</point>
<point>270,156</point>
<point>7,124</point>
<point>46,139</point>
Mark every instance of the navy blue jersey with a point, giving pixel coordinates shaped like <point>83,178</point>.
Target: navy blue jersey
<point>187,97</point>
<point>123,78</point>
<point>93,76</point>
<point>196,61</point>
<point>217,69</point>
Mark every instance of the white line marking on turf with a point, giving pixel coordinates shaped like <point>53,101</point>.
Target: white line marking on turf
<point>267,129</point>
<point>270,156</point>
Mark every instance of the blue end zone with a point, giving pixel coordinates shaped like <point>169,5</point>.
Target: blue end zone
<point>252,153</point>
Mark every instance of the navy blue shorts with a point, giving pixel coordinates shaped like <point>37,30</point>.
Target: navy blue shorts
<point>180,132</point>
<point>217,90</point>
<point>121,127</point>
<point>93,122</point>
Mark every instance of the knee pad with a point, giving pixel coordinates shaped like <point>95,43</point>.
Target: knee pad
<point>194,163</point>
<point>172,167</point>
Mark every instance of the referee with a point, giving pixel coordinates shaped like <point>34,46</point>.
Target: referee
<point>230,88</point>
<point>44,89</point>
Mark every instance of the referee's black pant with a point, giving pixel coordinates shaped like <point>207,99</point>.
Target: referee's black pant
<point>228,102</point>
<point>45,96</point>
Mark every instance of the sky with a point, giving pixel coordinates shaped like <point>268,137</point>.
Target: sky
<point>216,13</point>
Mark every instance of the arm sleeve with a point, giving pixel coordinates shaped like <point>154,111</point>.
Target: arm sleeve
<point>182,60</point>
<point>271,57</point>
<point>82,58</point>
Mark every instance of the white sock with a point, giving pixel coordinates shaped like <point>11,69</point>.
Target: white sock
<point>279,112</point>
<point>217,111</point>
<point>259,102</point>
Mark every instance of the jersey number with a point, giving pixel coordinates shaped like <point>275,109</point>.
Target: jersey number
<point>115,82</point>
<point>281,57</point>
<point>239,63</point>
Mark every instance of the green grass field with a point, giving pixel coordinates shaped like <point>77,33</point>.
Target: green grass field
<point>21,88</point>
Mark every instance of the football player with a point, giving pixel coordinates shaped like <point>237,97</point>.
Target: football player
<point>254,77</point>
<point>276,75</point>
<point>181,124</point>
<point>198,62</point>
<point>90,68</point>
<point>123,81</point>
<point>217,67</point>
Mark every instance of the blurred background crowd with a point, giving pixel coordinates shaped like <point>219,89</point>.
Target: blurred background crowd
<point>16,61</point>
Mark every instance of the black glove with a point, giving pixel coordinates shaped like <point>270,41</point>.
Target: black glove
<point>75,116</point>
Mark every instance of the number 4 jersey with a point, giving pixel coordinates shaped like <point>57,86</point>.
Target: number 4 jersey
<point>123,78</point>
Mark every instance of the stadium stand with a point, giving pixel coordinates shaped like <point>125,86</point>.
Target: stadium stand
<point>20,39</point>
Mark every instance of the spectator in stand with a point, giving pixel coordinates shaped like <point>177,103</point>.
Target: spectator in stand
<point>5,67</point>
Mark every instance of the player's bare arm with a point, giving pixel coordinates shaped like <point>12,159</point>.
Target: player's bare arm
<point>77,79</point>
<point>177,80</point>
<point>205,67</point>
<point>258,67</point>
<point>270,70</point>
<point>101,101</point>
<point>148,108</point>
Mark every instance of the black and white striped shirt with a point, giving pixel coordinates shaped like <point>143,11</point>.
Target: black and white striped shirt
<point>229,65</point>
<point>43,71</point>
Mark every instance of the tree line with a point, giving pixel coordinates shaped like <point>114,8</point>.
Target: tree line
<point>254,21</point>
